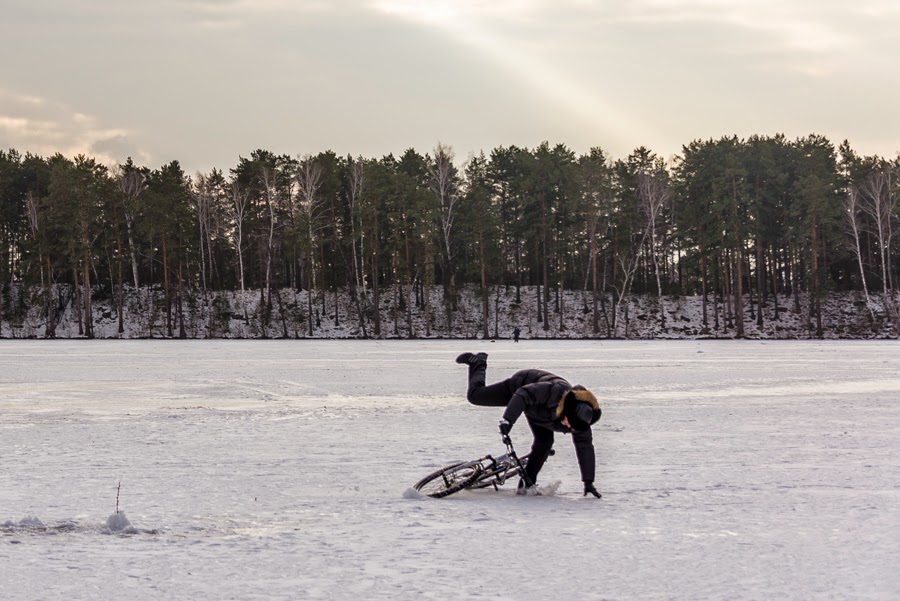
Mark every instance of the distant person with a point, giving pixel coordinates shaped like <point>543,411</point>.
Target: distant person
<point>550,404</point>
<point>516,333</point>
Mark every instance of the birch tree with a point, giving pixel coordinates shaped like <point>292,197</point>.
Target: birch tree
<point>202,200</point>
<point>357,178</point>
<point>309,179</point>
<point>355,199</point>
<point>444,181</point>
<point>240,197</point>
<point>879,202</point>
<point>854,227</point>
<point>132,182</point>
<point>654,195</point>
<point>269,179</point>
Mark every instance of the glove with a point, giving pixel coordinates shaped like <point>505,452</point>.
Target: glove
<point>589,489</point>
<point>505,427</point>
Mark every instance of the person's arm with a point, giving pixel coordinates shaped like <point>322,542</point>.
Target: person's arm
<point>584,451</point>
<point>516,405</point>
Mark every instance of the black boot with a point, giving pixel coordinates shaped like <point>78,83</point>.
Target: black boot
<point>472,358</point>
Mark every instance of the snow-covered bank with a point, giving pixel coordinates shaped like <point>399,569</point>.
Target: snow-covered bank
<point>241,315</point>
<point>278,470</point>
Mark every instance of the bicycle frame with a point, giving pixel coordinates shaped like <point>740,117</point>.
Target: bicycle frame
<point>497,470</point>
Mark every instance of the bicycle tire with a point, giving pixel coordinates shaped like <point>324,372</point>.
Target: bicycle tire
<point>449,480</point>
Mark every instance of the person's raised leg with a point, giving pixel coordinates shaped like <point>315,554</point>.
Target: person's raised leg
<point>478,393</point>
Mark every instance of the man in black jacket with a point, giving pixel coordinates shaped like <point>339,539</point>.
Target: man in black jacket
<point>550,404</point>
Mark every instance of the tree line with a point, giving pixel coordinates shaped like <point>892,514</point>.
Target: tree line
<point>744,223</point>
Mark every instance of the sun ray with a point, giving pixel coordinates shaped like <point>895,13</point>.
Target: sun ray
<point>466,22</point>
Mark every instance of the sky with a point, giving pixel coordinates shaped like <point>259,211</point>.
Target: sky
<point>206,82</point>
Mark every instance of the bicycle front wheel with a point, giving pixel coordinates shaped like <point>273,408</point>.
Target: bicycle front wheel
<point>449,480</point>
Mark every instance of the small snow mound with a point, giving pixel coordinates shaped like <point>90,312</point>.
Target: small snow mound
<point>549,489</point>
<point>118,522</point>
<point>412,493</point>
<point>27,522</point>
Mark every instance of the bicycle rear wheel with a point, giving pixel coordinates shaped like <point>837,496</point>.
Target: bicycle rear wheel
<point>449,480</point>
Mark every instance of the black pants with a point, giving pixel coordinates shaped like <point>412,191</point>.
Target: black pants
<point>499,395</point>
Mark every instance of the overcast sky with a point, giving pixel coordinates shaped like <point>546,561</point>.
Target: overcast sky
<point>206,82</point>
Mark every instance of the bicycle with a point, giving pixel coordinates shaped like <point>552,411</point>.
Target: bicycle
<point>479,473</point>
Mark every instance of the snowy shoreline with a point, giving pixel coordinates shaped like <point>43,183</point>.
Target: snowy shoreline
<point>236,315</point>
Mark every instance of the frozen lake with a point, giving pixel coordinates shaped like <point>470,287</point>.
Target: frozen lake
<point>282,469</point>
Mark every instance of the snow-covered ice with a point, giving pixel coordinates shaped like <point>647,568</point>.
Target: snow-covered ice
<point>283,470</point>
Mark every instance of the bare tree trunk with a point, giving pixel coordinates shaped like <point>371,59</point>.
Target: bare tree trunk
<point>595,315</point>
<point>201,206</point>
<point>717,277</point>
<point>545,262</point>
<point>560,306</point>
<point>409,281</point>
<point>738,290</point>
<point>816,301</point>
<point>395,279</point>
<point>121,295</point>
<point>851,212</point>
<point>269,183</point>
<point>773,262</point>
<point>181,331</point>
<point>518,273</point>
<point>88,308</point>
<point>309,302</point>
<point>337,312</point>
<point>703,280</point>
<point>52,308</point>
<point>169,331</point>
<point>77,304</point>
<point>497,314</point>
<point>760,282</point>
<point>284,328</point>
<point>239,198</point>
<point>484,291</point>
<point>376,296</point>
<point>727,288</point>
<point>357,180</point>
<point>429,267</point>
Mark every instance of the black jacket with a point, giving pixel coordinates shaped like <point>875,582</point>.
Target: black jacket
<point>540,396</point>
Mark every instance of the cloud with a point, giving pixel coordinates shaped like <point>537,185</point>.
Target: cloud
<point>808,27</point>
<point>43,127</point>
<point>815,34</point>
<point>235,12</point>
<point>433,10</point>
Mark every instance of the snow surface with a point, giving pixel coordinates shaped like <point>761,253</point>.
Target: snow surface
<point>283,470</point>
